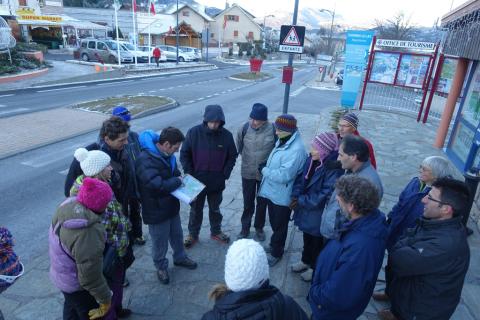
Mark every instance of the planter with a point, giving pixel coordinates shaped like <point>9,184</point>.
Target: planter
<point>255,65</point>
<point>34,54</point>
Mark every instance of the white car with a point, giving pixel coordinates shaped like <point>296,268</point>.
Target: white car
<point>163,57</point>
<point>171,54</point>
<point>138,54</point>
<point>197,53</point>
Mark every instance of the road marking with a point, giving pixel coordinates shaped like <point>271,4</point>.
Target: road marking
<point>200,99</point>
<point>191,101</point>
<point>124,81</point>
<point>64,172</point>
<point>209,96</point>
<point>52,157</point>
<point>61,89</point>
<point>152,91</point>
<point>3,105</point>
<point>6,95</point>
<point>297,92</point>
<point>14,111</point>
<point>106,84</point>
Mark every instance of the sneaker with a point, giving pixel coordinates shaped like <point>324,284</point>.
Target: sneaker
<point>272,260</point>
<point>259,235</point>
<point>190,241</point>
<point>386,314</point>
<point>125,283</point>
<point>186,263</point>
<point>163,276</point>
<point>243,234</point>
<point>221,237</point>
<point>380,296</point>
<point>139,241</point>
<point>299,267</point>
<point>307,275</point>
<point>123,313</point>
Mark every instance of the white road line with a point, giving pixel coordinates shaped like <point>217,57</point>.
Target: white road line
<point>6,95</point>
<point>209,96</point>
<point>124,81</point>
<point>14,111</point>
<point>3,105</point>
<point>161,89</point>
<point>297,92</point>
<point>152,91</point>
<point>52,157</point>
<point>64,172</point>
<point>106,84</point>
<point>67,88</point>
<point>200,99</point>
<point>191,101</point>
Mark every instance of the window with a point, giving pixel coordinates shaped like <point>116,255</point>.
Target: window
<point>235,33</point>
<point>22,3</point>
<point>91,45</point>
<point>230,17</point>
<point>101,46</point>
<point>186,13</point>
<point>212,35</point>
<point>84,44</point>
<point>250,35</point>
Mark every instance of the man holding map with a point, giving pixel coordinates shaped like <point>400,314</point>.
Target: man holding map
<point>158,176</point>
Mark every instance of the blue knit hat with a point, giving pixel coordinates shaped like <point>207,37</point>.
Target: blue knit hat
<point>287,123</point>
<point>122,112</point>
<point>259,112</point>
<point>352,119</point>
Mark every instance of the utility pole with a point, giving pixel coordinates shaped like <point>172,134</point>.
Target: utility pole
<point>265,30</point>
<point>177,34</point>
<point>290,63</point>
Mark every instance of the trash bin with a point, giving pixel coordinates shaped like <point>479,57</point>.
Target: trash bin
<point>255,65</point>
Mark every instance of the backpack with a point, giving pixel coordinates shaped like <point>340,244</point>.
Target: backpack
<point>244,132</point>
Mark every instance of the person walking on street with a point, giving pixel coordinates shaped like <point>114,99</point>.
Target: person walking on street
<point>156,55</point>
<point>430,262</point>
<point>158,177</point>
<point>76,244</point>
<point>208,154</point>
<point>255,140</point>
<point>133,148</point>
<point>247,293</point>
<point>348,266</point>
<point>311,191</point>
<point>283,165</point>
<point>347,125</point>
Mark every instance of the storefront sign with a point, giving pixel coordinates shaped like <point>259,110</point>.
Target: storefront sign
<point>25,11</point>
<point>430,46</point>
<point>41,18</point>
<point>356,54</point>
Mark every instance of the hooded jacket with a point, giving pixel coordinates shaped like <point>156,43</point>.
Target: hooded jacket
<point>313,194</point>
<point>157,176</point>
<point>209,155</point>
<point>428,267</point>
<point>265,303</point>
<point>347,269</point>
<point>76,244</point>
<point>283,165</point>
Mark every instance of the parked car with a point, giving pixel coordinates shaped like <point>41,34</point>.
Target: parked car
<point>163,57</point>
<point>171,54</point>
<point>197,53</point>
<point>138,54</point>
<point>102,50</point>
<point>339,78</point>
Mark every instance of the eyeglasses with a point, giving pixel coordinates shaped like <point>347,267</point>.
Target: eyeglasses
<point>437,201</point>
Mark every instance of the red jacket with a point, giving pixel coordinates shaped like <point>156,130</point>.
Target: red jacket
<point>370,150</point>
<point>156,53</point>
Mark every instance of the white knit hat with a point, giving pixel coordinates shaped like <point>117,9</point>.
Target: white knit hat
<point>92,162</point>
<point>246,265</point>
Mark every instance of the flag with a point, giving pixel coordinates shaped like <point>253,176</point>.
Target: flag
<point>134,6</point>
<point>116,4</point>
<point>224,22</point>
<point>152,8</point>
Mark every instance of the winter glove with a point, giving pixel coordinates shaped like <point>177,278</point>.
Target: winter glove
<point>99,312</point>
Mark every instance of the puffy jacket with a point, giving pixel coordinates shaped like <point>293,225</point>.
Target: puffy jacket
<point>157,176</point>
<point>347,269</point>
<point>283,165</point>
<point>428,266</point>
<point>255,147</point>
<point>76,244</point>
<point>313,194</point>
<point>332,218</point>
<point>265,303</point>
<point>406,211</point>
<point>209,155</point>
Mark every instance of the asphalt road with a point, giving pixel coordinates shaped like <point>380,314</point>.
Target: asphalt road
<point>32,183</point>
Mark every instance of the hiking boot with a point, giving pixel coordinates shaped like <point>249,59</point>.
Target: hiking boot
<point>307,275</point>
<point>163,276</point>
<point>123,313</point>
<point>272,260</point>
<point>186,263</point>
<point>221,237</point>
<point>190,241</point>
<point>243,234</point>
<point>140,241</point>
<point>259,235</point>
<point>386,314</point>
<point>299,267</point>
<point>380,296</point>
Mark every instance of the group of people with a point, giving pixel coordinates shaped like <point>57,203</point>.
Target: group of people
<point>333,191</point>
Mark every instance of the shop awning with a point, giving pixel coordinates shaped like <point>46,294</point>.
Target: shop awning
<point>62,21</point>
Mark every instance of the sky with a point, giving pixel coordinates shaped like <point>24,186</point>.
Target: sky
<point>353,12</point>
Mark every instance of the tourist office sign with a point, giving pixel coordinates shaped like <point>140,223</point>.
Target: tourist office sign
<point>414,45</point>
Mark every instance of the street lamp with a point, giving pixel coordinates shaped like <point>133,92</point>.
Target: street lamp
<point>265,29</point>
<point>332,13</point>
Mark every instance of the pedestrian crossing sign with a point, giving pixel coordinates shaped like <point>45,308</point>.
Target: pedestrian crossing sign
<point>291,39</point>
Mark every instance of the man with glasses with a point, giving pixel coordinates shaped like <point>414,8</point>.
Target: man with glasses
<point>429,263</point>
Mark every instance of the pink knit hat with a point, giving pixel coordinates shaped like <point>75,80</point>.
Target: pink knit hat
<point>325,142</point>
<point>94,194</point>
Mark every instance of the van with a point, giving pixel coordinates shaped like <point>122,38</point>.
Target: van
<point>103,51</point>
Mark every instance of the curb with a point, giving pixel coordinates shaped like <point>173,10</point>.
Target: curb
<point>22,76</point>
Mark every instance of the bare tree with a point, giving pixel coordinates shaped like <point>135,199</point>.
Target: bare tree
<point>398,28</point>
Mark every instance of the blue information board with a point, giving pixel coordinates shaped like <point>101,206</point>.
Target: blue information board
<point>356,56</point>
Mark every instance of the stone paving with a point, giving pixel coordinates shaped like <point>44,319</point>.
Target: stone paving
<point>400,145</point>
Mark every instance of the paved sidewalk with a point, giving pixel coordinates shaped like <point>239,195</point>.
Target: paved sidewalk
<point>400,144</point>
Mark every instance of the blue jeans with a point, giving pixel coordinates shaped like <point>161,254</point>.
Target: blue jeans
<point>168,231</point>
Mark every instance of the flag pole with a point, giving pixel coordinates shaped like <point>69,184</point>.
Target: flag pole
<point>149,32</point>
<point>116,7</point>
<point>134,9</point>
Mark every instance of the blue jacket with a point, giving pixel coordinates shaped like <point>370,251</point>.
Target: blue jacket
<point>283,165</point>
<point>157,176</point>
<point>347,269</point>
<point>312,195</point>
<point>407,210</point>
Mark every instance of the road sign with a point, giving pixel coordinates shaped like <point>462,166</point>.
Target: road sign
<point>291,39</point>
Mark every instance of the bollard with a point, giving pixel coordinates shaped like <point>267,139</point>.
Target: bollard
<point>97,68</point>
<point>471,180</point>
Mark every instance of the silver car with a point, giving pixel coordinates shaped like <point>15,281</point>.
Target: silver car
<point>163,57</point>
<point>197,53</point>
<point>103,50</point>
<point>171,54</point>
